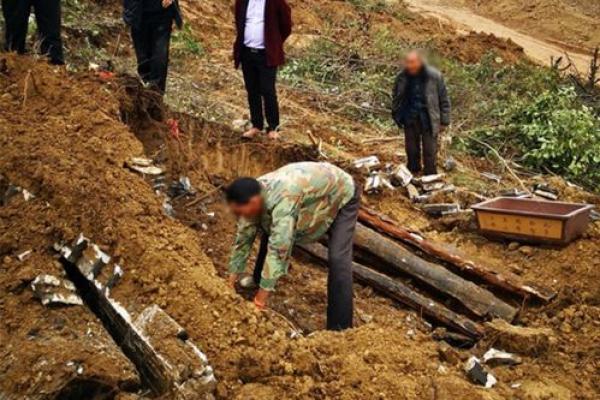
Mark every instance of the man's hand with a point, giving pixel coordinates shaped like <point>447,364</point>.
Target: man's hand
<point>167,3</point>
<point>233,278</point>
<point>260,300</point>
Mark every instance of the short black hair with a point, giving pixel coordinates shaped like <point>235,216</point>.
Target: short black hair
<point>242,190</point>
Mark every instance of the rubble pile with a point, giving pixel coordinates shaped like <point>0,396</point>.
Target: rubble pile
<point>423,190</point>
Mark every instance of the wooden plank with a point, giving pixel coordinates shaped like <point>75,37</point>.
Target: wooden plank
<point>506,280</point>
<point>402,293</point>
<point>478,300</point>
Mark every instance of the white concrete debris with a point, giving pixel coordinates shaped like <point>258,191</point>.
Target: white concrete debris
<point>376,182</point>
<point>498,357</point>
<point>367,163</point>
<point>53,290</point>
<point>24,255</point>
<point>478,374</point>
<point>181,356</point>
<point>429,178</point>
<point>144,166</point>
<point>402,175</point>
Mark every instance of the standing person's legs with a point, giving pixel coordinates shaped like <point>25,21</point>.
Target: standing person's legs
<point>142,41</point>
<point>159,64</point>
<point>412,144</point>
<point>268,77</point>
<point>260,258</point>
<point>429,151</point>
<point>252,81</point>
<point>48,18</point>
<point>16,20</point>
<point>339,278</point>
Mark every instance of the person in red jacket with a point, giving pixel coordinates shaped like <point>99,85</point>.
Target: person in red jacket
<point>262,28</point>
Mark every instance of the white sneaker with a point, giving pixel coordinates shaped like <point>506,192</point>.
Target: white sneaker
<point>247,282</point>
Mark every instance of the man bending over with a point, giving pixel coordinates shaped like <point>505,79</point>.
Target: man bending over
<point>296,204</point>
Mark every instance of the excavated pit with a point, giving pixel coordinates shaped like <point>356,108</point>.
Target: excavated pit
<point>211,155</point>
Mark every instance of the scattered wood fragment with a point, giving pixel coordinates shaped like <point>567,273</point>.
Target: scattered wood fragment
<point>402,293</point>
<point>478,300</point>
<point>506,281</point>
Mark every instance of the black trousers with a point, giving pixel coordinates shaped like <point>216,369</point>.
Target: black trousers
<point>419,135</point>
<point>260,86</point>
<point>47,16</point>
<point>151,42</point>
<point>340,307</point>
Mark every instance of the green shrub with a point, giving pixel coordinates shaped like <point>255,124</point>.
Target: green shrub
<point>553,132</point>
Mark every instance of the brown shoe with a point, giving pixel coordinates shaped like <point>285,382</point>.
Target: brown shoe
<point>273,135</point>
<point>251,134</point>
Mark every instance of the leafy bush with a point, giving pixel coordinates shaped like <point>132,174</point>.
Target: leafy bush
<point>552,131</point>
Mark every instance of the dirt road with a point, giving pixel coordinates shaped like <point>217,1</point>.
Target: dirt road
<point>539,50</point>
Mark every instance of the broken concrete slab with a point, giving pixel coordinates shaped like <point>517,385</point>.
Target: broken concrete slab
<point>162,365</point>
<point>546,191</point>
<point>434,186</point>
<point>144,166</point>
<point>366,163</point>
<point>181,187</point>
<point>477,373</point>
<point>401,176</point>
<point>494,357</point>
<point>413,193</point>
<point>429,178</point>
<point>518,339</point>
<point>191,373</point>
<point>376,182</point>
<point>514,193</point>
<point>441,209</point>
<point>53,290</point>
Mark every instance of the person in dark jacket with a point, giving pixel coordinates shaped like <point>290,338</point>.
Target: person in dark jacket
<point>151,23</point>
<point>48,19</point>
<point>262,28</point>
<point>421,106</point>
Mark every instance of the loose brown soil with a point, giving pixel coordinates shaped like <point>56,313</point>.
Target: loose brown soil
<point>66,137</point>
<point>574,23</point>
<point>69,147</point>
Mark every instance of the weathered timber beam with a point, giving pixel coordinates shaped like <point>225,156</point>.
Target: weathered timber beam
<point>506,280</point>
<point>478,300</point>
<point>402,293</point>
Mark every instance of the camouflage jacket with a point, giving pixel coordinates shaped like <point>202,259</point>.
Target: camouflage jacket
<point>301,201</point>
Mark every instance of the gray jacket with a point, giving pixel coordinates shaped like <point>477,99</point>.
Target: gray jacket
<point>438,103</point>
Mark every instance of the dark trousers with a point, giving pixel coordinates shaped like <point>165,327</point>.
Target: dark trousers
<point>260,86</point>
<point>418,135</point>
<point>47,16</point>
<point>151,41</point>
<point>339,279</point>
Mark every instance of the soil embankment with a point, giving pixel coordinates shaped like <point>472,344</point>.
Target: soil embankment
<point>537,47</point>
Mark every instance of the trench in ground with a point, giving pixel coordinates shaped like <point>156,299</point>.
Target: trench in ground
<point>211,155</point>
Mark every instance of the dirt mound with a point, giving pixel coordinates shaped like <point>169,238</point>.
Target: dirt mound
<point>471,48</point>
<point>574,23</point>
